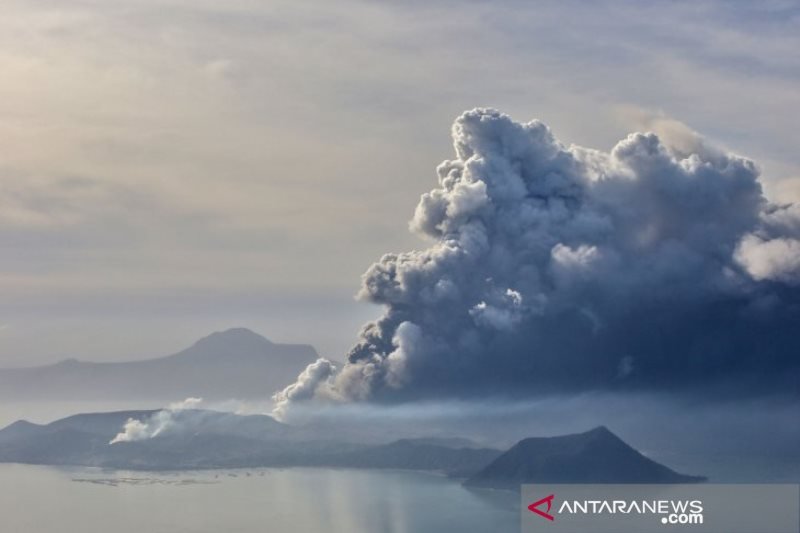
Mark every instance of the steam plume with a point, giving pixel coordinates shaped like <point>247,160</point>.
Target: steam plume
<point>158,423</point>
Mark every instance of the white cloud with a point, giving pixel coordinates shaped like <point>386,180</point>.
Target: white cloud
<point>770,259</point>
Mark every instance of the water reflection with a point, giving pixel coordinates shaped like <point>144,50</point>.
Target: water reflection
<point>298,500</point>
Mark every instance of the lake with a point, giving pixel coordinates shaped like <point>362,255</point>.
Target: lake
<point>40,499</point>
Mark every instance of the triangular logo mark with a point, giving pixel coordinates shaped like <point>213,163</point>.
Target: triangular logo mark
<point>545,514</point>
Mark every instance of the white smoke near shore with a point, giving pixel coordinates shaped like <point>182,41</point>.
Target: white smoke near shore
<point>159,422</point>
<point>553,267</point>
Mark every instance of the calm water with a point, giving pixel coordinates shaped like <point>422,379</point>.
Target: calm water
<point>37,499</point>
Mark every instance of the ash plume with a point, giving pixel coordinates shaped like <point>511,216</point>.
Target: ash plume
<point>553,268</point>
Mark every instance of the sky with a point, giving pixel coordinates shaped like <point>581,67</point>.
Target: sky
<point>170,168</point>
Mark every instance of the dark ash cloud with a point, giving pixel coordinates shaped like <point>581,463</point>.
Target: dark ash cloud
<point>555,268</point>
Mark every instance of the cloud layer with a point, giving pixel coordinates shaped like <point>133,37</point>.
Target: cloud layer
<point>554,267</point>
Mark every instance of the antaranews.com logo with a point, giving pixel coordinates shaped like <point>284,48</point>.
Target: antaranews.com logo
<point>694,508</point>
<point>670,512</point>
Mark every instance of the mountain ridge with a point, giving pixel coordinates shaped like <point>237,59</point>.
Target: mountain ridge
<point>235,363</point>
<point>196,438</point>
<point>594,456</point>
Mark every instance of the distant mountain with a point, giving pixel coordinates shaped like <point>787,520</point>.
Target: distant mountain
<point>445,442</point>
<point>416,454</point>
<point>193,438</point>
<point>236,363</point>
<point>211,439</point>
<point>596,456</point>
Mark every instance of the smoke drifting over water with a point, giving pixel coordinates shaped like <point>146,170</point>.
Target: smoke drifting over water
<point>554,268</point>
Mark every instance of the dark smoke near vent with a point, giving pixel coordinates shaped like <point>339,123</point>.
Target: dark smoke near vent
<point>554,268</point>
